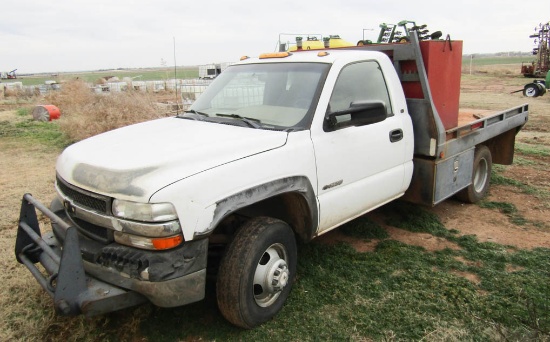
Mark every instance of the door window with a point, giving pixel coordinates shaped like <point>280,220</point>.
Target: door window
<point>361,81</point>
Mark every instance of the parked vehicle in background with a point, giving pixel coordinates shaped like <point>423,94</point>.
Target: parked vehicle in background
<point>8,75</point>
<point>541,65</point>
<point>211,71</point>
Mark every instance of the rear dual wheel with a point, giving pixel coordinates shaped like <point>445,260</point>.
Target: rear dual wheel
<point>481,176</point>
<point>256,272</point>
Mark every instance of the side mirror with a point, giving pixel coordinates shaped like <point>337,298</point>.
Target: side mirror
<point>359,113</point>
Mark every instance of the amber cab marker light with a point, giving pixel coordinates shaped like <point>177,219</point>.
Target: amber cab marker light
<point>275,55</point>
<point>167,243</point>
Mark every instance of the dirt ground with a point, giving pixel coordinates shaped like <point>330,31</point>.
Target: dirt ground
<point>30,167</point>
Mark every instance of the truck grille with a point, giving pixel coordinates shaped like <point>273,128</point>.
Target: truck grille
<point>94,232</point>
<point>88,200</point>
<point>84,198</point>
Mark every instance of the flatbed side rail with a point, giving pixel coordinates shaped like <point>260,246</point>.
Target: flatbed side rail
<point>486,121</point>
<point>485,129</point>
<point>72,290</point>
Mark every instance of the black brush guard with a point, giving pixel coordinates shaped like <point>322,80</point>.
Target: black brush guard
<point>73,291</point>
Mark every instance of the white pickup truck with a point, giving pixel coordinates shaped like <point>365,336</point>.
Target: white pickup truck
<point>282,147</point>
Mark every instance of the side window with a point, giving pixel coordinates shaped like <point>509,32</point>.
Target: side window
<point>361,81</point>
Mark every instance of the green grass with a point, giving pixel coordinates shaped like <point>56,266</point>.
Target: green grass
<point>31,131</point>
<point>477,61</point>
<point>530,150</point>
<point>413,218</point>
<point>498,179</point>
<point>24,111</point>
<point>364,228</point>
<point>506,208</point>
<point>525,162</point>
<point>397,292</point>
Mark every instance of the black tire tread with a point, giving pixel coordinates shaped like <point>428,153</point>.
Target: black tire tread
<point>230,279</point>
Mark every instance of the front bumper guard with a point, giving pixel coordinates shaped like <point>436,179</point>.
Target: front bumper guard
<point>73,291</point>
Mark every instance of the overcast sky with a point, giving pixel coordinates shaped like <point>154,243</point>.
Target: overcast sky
<point>56,36</point>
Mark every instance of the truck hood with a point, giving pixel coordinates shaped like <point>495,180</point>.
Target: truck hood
<point>134,162</point>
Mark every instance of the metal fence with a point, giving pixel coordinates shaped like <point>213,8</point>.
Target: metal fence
<point>240,95</point>
<point>190,89</point>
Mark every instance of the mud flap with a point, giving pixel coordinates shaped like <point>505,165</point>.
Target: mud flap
<point>73,291</point>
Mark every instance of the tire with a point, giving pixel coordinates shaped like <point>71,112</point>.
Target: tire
<point>531,90</point>
<point>481,176</point>
<point>256,273</point>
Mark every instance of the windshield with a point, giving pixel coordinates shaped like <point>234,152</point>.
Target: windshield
<point>270,95</point>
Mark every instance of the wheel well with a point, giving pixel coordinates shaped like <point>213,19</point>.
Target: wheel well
<point>290,207</point>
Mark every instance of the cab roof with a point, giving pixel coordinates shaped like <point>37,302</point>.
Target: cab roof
<point>313,56</point>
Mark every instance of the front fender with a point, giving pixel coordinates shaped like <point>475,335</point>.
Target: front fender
<point>298,185</point>
<point>204,199</point>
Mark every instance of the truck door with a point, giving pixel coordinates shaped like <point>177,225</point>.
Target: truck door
<point>359,167</point>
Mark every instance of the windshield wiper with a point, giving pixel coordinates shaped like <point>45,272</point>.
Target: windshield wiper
<point>252,122</point>
<point>192,111</point>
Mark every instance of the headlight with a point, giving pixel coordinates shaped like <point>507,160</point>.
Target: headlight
<point>147,212</point>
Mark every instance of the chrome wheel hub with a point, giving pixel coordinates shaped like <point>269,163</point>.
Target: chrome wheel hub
<point>481,175</point>
<point>271,275</point>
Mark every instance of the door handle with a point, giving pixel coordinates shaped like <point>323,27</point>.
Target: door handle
<point>396,135</point>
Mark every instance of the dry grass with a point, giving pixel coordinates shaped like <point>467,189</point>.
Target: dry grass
<point>27,313</point>
<point>84,113</point>
<point>499,70</point>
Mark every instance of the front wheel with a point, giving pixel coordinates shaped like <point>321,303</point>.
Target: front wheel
<point>481,176</point>
<point>256,272</point>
